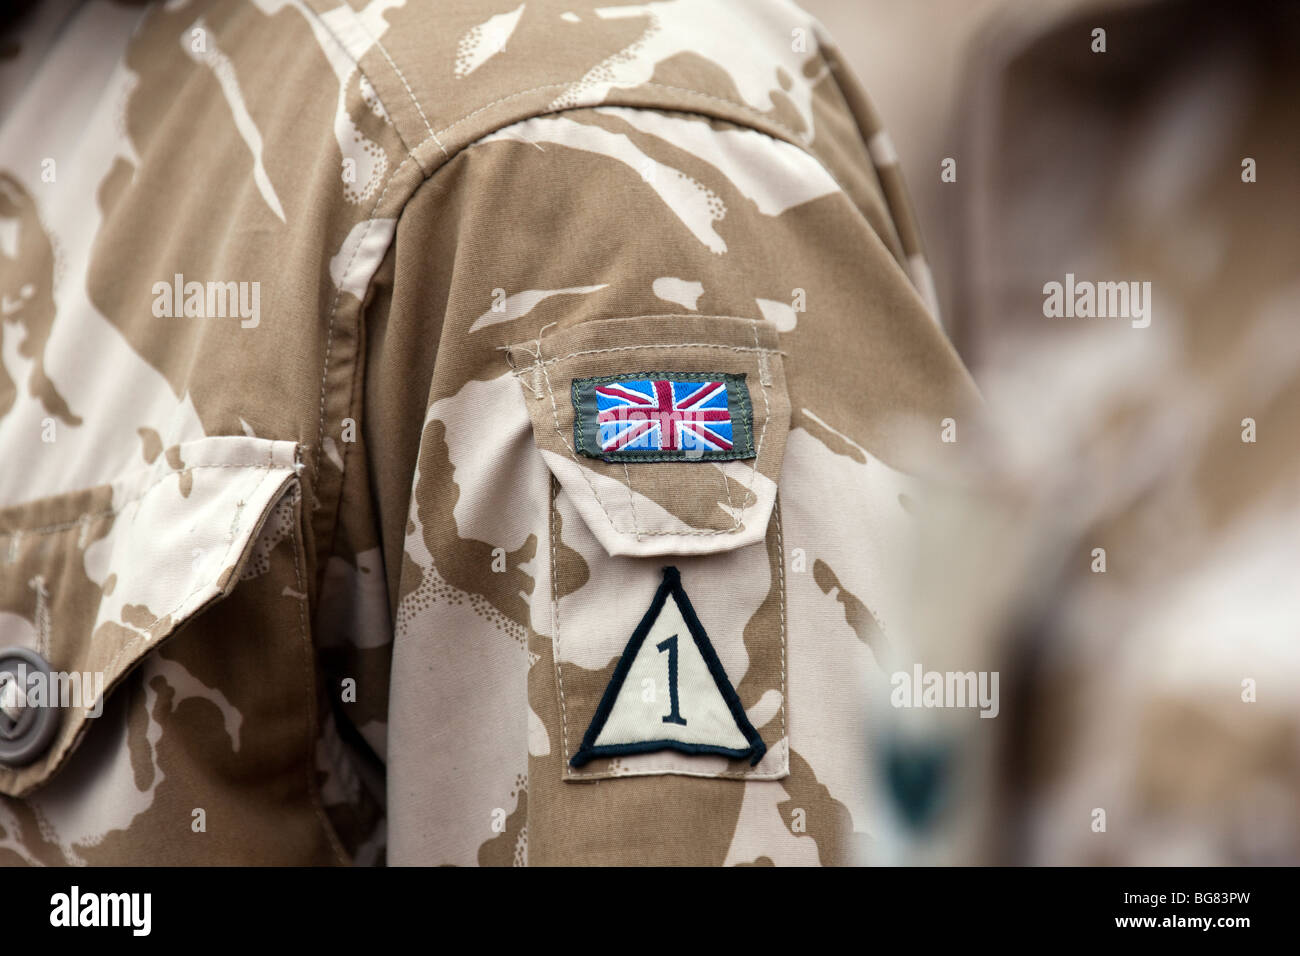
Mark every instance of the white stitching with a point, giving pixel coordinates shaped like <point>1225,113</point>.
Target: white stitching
<point>555,621</point>
<point>66,525</point>
<point>731,502</point>
<point>666,345</point>
<point>313,792</point>
<point>411,94</point>
<point>225,554</point>
<point>677,770</point>
<point>797,138</point>
<point>555,412</point>
<point>329,333</point>
<point>758,448</point>
<point>780,570</point>
<point>631,502</point>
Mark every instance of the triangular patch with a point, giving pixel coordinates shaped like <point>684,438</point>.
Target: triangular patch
<point>669,691</point>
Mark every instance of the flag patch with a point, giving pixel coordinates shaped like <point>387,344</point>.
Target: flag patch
<point>663,416</point>
<point>669,691</point>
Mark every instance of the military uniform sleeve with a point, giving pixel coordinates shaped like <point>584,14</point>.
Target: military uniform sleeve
<point>636,381</point>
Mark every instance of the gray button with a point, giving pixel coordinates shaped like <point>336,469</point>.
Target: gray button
<point>27,721</point>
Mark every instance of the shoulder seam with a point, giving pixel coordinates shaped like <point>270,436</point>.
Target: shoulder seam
<point>435,136</point>
<point>792,135</point>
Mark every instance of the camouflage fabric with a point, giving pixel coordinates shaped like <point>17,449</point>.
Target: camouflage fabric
<point>295,295</point>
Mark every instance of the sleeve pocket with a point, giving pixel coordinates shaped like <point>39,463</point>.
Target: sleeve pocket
<point>678,484</point>
<point>664,438</point>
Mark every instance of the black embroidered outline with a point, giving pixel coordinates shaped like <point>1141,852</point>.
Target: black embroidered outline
<point>588,751</point>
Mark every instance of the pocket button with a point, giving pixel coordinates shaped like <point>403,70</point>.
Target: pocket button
<point>26,728</point>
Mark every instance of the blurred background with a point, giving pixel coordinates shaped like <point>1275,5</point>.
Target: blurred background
<point>1116,251</point>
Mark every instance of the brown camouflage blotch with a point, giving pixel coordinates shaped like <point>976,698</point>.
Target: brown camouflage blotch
<point>833,442</point>
<point>464,562</point>
<point>32,272</point>
<point>857,614</point>
<point>763,631</point>
<point>130,695</point>
<point>138,616</point>
<point>32,835</point>
<point>571,571</point>
<point>150,444</point>
<point>829,822</point>
<point>504,848</point>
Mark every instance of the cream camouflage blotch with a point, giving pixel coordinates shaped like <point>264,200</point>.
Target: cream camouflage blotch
<point>354,593</point>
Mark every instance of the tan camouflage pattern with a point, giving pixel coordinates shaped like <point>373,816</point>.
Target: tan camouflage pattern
<point>389,615</point>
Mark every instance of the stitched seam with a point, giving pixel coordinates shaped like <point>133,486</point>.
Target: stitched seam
<point>726,486</point>
<point>767,417</point>
<point>435,136</point>
<point>555,413</point>
<point>313,792</point>
<point>152,626</point>
<point>797,138</point>
<point>631,502</point>
<point>681,771</point>
<point>409,92</point>
<point>666,345</point>
<point>310,11</point>
<point>370,221</point>
<point>687,315</point>
<point>780,572</point>
<point>555,622</point>
<point>694,531</point>
<point>334,308</point>
<point>895,211</point>
<point>79,521</point>
<point>148,628</point>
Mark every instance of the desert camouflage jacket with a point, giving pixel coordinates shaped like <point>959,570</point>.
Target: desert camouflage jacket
<point>463,433</point>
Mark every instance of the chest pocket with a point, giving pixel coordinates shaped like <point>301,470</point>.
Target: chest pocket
<point>664,437</point>
<point>111,732</point>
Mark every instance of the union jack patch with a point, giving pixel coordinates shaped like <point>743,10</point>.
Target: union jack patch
<point>663,416</point>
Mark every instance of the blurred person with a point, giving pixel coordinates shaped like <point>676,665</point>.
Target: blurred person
<point>1122,551</point>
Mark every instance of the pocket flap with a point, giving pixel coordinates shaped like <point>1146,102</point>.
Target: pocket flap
<point>666,432</point>
<point>96,579</point>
